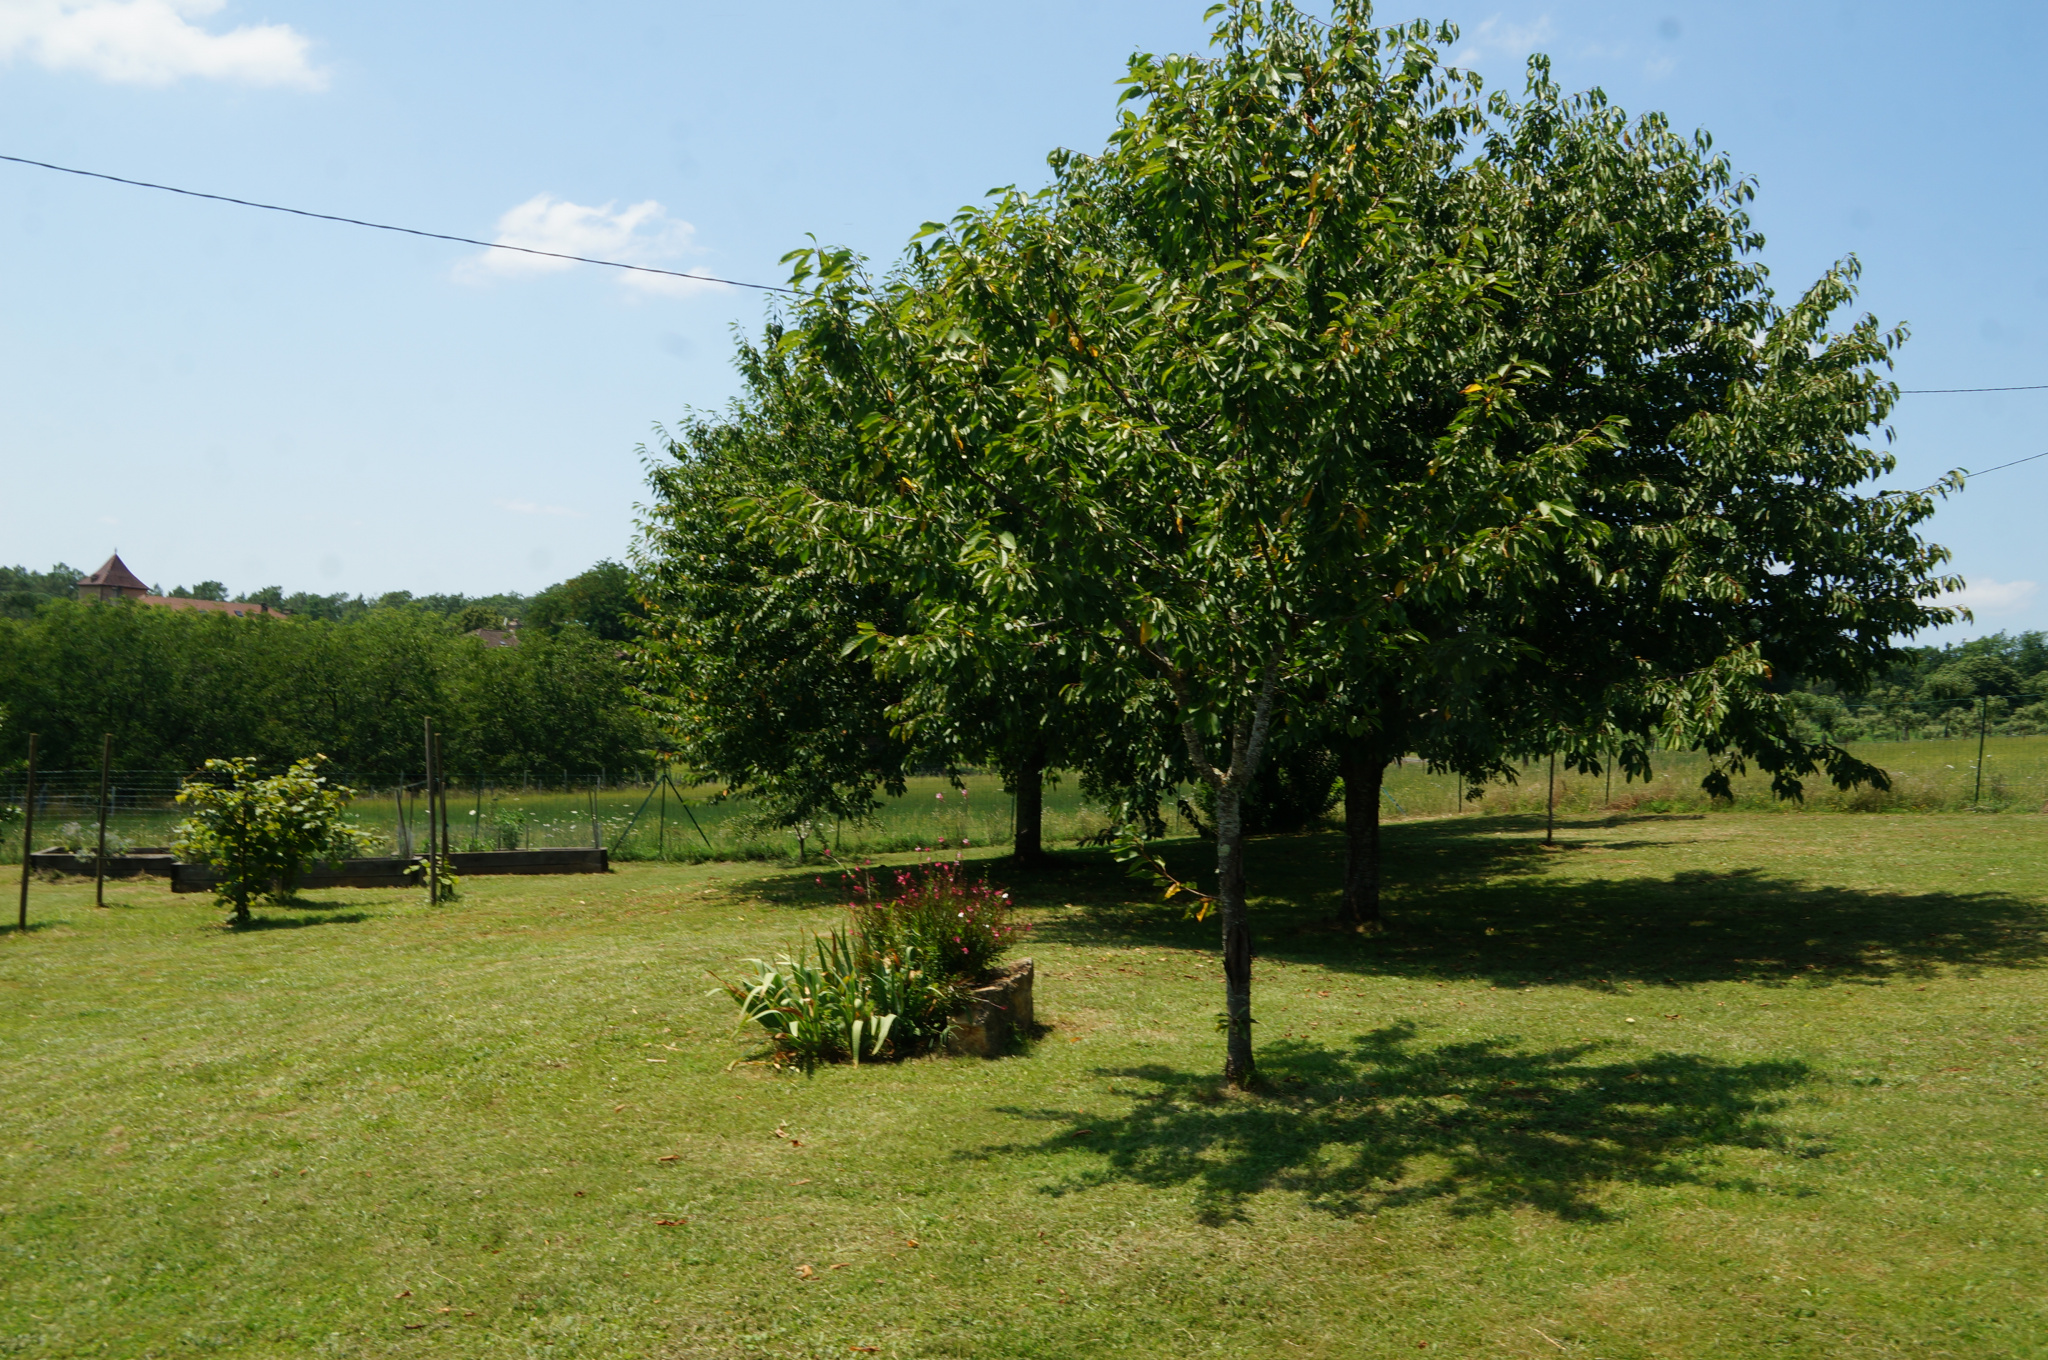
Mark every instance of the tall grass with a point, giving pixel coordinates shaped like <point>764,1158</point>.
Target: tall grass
<point>1937,775</point>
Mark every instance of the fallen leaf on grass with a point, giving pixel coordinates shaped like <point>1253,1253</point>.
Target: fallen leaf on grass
<point>796,1142</point>
<point>414,1326</point>
<point>654,1060</point>
<point>841,1265</point>
<point>617,1108</point>
<point>403,1294</point>
<point>1081,1133</point>
<point>670,1222</point>
<point>805,1271</point>
<point>910,1241</point>
<point>671,1157</point>
<point>866,1350</point>
<point>805,1181</point>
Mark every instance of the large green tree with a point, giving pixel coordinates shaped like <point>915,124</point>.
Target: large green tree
<point>744,659</point>
<point>1165,409</point>
<point>1744,548</point>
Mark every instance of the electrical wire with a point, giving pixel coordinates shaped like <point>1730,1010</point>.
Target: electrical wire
<point>407,231</point>
<point>1936,486</point>
<point>2003,466</point>
<point>1938,391</point>
<point>642,268</point>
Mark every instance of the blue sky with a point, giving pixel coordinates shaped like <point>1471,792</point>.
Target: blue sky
<point>259,399</point>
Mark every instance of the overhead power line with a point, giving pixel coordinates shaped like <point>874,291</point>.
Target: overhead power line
<point>2003,466</point>
<point>1967,473</point>
<point>1938,391</point>
<point>636,268</point>
<point>386,226</point>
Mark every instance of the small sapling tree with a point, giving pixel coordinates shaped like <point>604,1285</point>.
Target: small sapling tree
<point>258,833</point>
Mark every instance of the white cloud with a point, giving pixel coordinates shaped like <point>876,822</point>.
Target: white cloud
<point>1986,596</point>
<point>1496,40</point>
<point>153,42</point>
<point>641,234</point>
<point>533,508</point>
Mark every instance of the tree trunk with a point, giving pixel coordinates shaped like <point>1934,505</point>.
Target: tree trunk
<point>1029,843</point>
<point>1365,770</point>
<point>1238,1068</point>
<point>1248,743</point>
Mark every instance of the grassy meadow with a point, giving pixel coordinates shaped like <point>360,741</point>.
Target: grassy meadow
<point>1718,1086</point>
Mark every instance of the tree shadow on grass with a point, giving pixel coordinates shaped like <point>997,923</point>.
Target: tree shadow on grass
<point>327,916</point>
<point>1385,1122</point>
<point>15,928</point>
<point>1465,902</point>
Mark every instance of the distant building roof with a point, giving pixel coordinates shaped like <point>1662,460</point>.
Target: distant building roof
<point>495,637</point>
<point>113,579</point>
<point>236,607</point>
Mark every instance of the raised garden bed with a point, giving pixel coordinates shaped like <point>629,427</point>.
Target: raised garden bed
<point>147,863</point>
<point>997,1015</point>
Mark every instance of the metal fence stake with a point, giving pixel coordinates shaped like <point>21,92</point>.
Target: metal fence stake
<point>99,864</point>
<point>28,829</point>
<point>1983,717</point>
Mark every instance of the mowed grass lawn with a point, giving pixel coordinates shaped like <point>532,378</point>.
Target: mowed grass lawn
<point>1725,1086</point>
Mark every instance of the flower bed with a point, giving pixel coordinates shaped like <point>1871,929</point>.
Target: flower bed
<point>914,968</point>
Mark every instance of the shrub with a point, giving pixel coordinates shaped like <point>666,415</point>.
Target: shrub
<point>1292,791</point>
<point>258,834</point>
<point>83,839</point>
<point>888,985</point>
<point>962,924</point>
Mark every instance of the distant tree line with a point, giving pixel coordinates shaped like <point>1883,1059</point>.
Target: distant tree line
<point>1999,681</point>
<point>349,677</point>
<point>601,599</point>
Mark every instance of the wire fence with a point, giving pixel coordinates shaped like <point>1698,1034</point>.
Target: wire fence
<point>639,817</point>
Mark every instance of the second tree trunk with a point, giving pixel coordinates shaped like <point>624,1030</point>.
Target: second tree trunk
<point>1365,771</point>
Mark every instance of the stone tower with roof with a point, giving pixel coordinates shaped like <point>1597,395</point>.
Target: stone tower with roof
<point>113,581</point>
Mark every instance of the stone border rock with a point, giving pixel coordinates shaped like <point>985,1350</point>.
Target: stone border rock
<point>997,1013</point>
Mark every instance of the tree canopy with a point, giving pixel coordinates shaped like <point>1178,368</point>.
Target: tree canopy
<point>1332,392</point>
